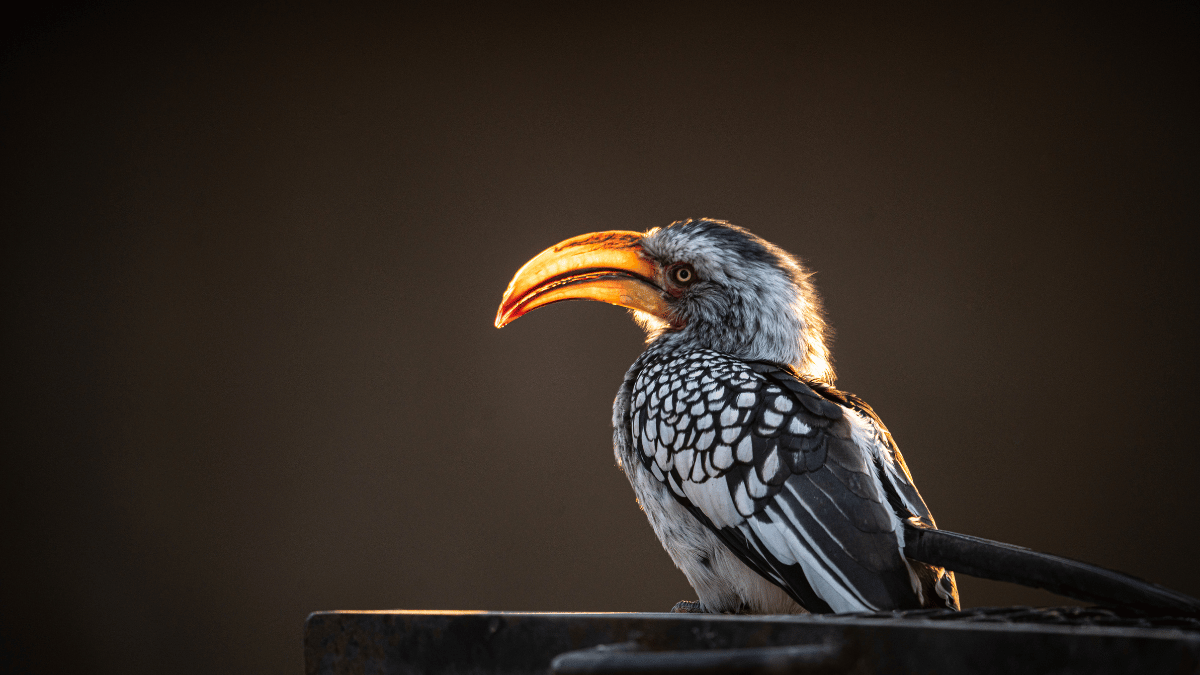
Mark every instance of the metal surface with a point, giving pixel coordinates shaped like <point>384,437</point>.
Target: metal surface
<point>1000,640</point>
<point>630,659</point>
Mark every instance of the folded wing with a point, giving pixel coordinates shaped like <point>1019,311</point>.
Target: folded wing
<point>773,468</point>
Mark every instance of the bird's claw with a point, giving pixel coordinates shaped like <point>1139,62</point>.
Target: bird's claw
<point>687,607</point>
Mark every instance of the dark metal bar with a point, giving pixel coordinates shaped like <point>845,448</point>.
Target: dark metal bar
<point>830,658</point>
<point>984,641</point>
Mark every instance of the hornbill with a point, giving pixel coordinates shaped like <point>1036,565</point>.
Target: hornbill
<point>770,489</point>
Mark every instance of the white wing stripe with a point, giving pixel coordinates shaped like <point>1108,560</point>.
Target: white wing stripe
<point>758,548</point>
<point>816,571</point>
<point>713,500</point>
<point>861,602</point>
<point>773,540</point>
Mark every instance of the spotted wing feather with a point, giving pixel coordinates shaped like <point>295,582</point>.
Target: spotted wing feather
<point>771,466</point>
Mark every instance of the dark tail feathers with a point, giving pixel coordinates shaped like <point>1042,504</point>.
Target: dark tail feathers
<point>1079,580</point>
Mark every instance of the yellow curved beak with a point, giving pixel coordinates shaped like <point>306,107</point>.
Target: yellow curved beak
<point>605,266</point>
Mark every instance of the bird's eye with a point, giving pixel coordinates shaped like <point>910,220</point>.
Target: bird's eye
<point>684,275</point>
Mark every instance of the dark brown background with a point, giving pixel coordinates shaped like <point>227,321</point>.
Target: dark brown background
<point>253,257</point>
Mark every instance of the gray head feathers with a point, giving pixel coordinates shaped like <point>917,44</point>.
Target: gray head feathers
<point>752,300</point>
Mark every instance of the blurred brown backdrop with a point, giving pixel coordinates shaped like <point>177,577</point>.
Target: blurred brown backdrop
<point>253,254</point>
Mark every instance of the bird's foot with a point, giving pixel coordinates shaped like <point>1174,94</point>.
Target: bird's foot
<point>687,607</point>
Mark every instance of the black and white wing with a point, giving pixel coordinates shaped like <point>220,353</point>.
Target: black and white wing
<point>902,493</point>
<point>777,471</point>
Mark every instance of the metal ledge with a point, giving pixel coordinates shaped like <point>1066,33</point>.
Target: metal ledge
<point>1040,641</point>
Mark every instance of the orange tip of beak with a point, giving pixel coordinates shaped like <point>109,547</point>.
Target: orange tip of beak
<point>607,267</point>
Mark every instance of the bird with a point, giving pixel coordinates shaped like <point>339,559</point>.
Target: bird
<point>773,491</point>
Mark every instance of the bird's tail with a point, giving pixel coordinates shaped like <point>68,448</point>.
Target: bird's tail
<point>1079,580</point>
